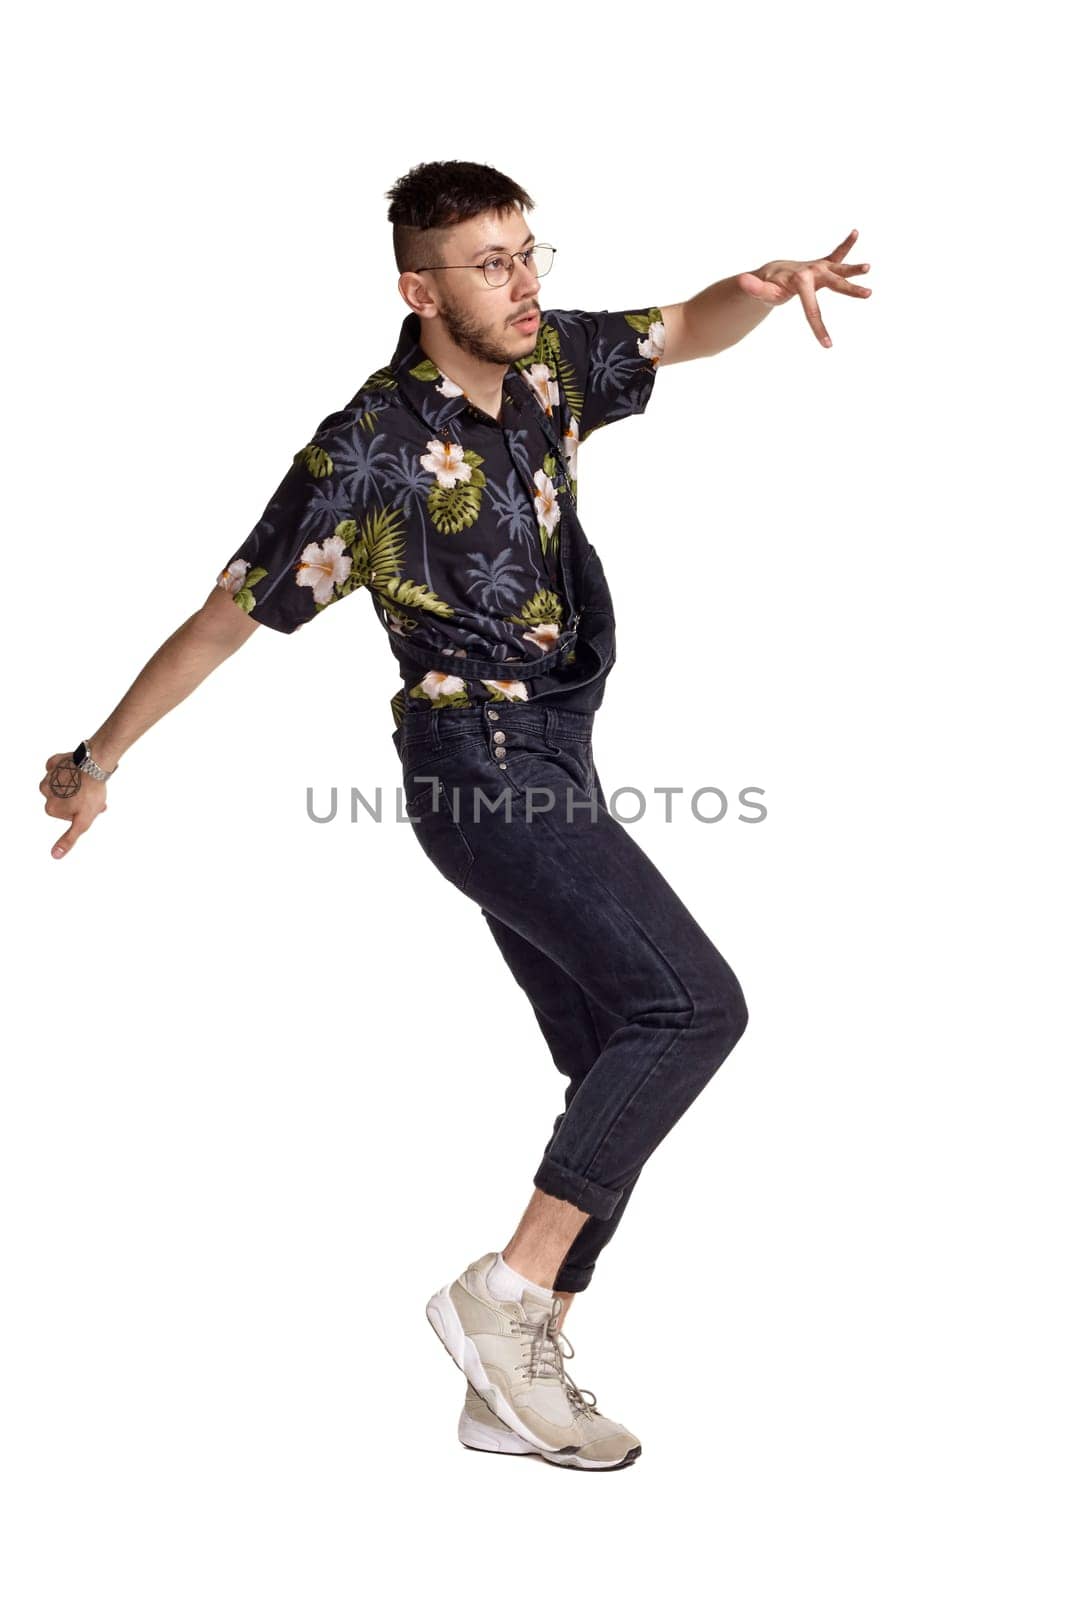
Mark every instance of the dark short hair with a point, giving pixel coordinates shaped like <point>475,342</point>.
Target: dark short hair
<point>435,197</point>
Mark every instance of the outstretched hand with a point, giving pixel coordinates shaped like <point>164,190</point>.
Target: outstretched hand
<point>72,795</point>
<point>778,281</point>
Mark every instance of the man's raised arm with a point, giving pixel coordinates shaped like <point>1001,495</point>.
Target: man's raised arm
<point>727,311</point>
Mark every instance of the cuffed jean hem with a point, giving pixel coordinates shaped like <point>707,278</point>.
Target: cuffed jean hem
<point>571,1280</point>
<point>581,1192</point>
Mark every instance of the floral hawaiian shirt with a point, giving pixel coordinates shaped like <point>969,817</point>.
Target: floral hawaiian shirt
<point>446,516</point>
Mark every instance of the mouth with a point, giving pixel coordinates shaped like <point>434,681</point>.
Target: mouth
<point>528,324</point>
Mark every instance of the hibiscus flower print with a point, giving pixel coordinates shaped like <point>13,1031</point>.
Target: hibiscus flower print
<point>542,381</point>
<point>654,345</point>
<point>446,462</point>
<point>546,634</point>
<point>510,688</point>
<point>437,683</point>
<point>231,578</point>
<point>323,565</point>
<point>548,512</point>
<point>569,444</point>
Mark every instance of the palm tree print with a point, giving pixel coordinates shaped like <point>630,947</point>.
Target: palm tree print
<point>494,580</point>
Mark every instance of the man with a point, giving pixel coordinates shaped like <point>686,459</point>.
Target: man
<point>447,487</point>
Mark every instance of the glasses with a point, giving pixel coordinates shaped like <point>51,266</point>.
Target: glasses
<point>498,268</point>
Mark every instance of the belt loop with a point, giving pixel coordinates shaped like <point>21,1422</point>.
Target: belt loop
<point>550,720</point>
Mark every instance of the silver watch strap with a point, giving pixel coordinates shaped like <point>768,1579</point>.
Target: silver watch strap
<point>87,764</point>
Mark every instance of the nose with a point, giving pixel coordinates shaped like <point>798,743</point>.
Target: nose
<point>524,281</point>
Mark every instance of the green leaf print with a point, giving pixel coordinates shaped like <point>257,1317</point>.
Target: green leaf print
<point>318,462</point>
<point>376,550</point>
<point>548,352</point>
<point>376,547</point>
<point>545,352</point>
<point>244,596</point>
<point>544,606</point>
<point>642,321</point>
<point>402,592</point>
<point>452,510</point>
<point>382,378</point>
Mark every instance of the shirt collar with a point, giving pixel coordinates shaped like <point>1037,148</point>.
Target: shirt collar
<point>436,398</point>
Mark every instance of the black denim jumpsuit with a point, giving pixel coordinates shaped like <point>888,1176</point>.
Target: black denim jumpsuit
<point>636,1005</point>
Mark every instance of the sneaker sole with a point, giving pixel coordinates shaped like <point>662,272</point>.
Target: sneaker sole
<point>475,1436</point>
<point>444,1320</point>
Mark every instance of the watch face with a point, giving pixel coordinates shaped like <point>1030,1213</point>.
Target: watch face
<point>79,755</point>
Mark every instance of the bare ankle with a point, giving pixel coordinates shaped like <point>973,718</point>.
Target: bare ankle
<point>540,1244</point>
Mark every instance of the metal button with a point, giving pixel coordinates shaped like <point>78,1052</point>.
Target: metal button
<point>499,737</point>
<point>503,764</point>
<point>499,752</point>
<point>495,715</point>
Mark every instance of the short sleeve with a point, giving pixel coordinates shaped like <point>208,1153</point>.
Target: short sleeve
<point>298,559</point>
<point>607,361</point>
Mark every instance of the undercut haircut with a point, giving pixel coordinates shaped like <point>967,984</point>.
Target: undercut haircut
<point>434,197</point>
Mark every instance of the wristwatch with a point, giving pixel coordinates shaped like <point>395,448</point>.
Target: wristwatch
<point>82,759</point>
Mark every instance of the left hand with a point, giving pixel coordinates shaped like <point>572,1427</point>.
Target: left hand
<point>778,281</point>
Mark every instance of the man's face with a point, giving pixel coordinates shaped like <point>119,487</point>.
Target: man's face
<point>480,319</point>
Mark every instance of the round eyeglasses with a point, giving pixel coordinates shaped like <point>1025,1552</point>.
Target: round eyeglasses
<point>498,268</point>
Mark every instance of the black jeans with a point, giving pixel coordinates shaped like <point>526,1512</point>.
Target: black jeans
<point>636,1005</point>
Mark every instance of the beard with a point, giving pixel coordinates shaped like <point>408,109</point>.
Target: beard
<point>465,331</point>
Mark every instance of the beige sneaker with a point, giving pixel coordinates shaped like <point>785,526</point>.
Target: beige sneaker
<point>608,1446</point>
<point>510,1357</point>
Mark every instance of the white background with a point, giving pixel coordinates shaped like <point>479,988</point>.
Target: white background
<point>269,1085</point>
